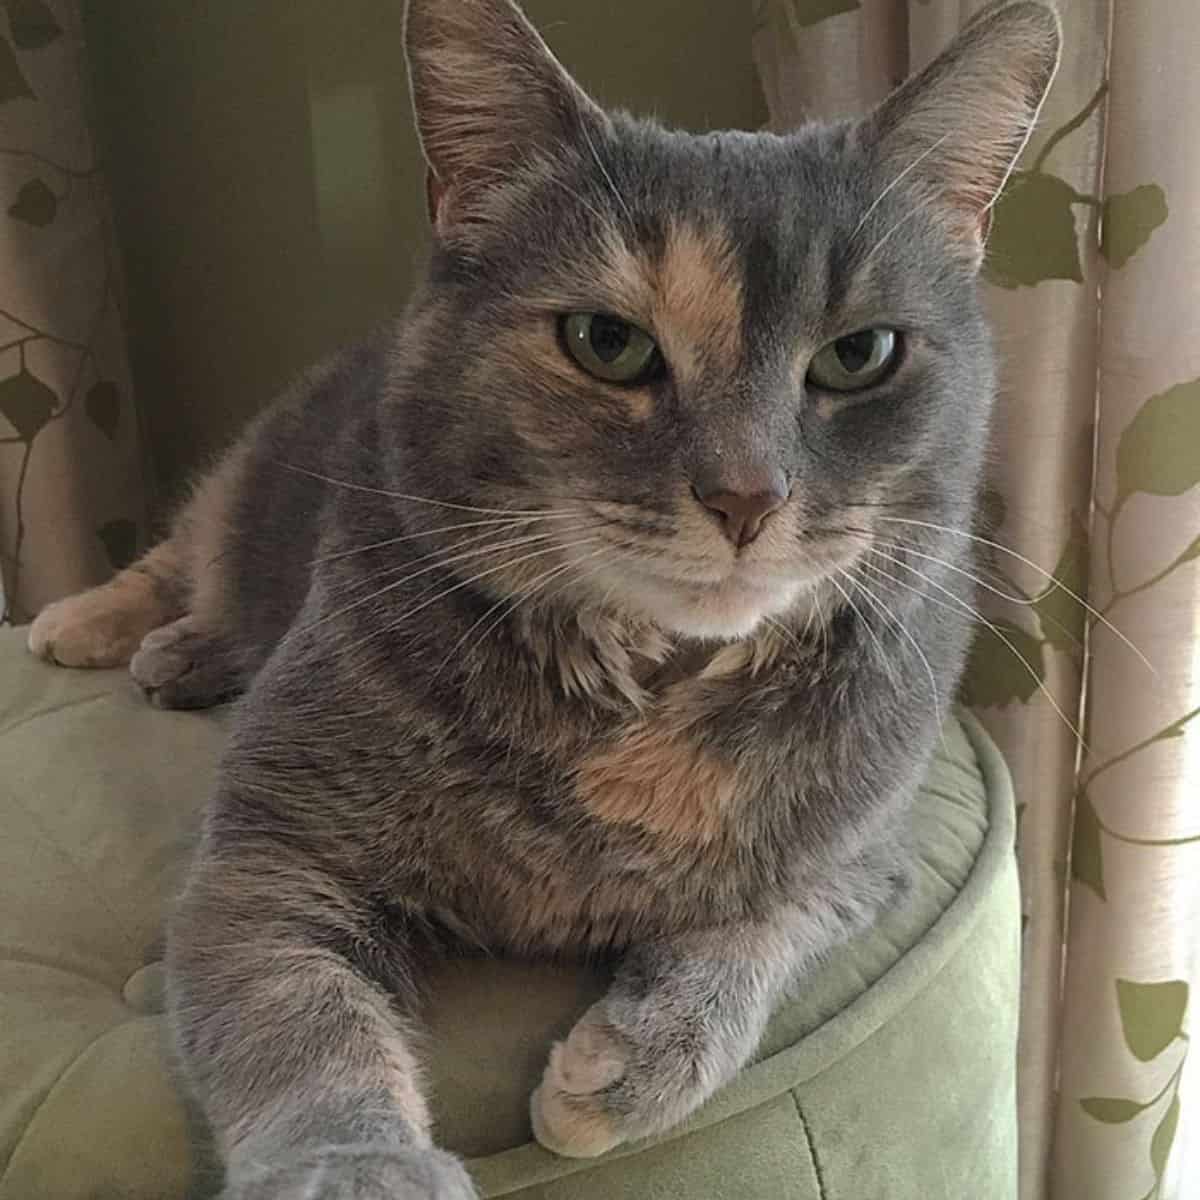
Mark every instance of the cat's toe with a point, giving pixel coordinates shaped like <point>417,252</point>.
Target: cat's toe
<point>570,1110</point>
<point>573,1126</point>
<point>180,666</point>
<point>155,665</point>
<point>83,631</point>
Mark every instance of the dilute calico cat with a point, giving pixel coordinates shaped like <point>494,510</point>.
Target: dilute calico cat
<point>605,605</point>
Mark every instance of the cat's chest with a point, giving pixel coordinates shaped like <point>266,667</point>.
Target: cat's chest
<point>672,782</point>
<point>692,771</point>
<point>658,828</point>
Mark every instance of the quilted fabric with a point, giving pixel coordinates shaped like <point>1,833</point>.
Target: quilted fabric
<point>891,1076</point>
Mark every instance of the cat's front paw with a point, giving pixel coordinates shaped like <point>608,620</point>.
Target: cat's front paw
<point>633,1067</point>
<point>355,1173</point>
<point>88,630</point>
<point>572,1110</point>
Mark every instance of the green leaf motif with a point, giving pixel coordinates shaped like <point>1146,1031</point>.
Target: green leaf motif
<point>1164,1138</point>
<point>1087,848</point>
<point>803,13</point>
<point>1111,1111</point>
<point>33,24</point>
<point>12,82</point>
<point>1033,235</point>
<point>120,542</point>
<point>35,204</point>
<point>1129,220</point>
<point>1062,617</point>
<point>103,406</point>
<point>1157,452</point>
<point>1151,1015</point>
<point>995,676</point>
<point>27,403</point>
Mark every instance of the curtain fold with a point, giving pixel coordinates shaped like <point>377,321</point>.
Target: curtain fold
<point>72,506</point>
<point>1092,278</point>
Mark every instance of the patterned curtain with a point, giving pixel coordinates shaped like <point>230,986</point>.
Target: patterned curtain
<point>1093,277</point>
<point>71,480</point>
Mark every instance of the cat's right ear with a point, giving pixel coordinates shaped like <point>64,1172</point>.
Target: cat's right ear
<point>953,132</point>
<point>489,97</point>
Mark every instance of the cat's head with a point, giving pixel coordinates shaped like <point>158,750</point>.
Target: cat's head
<point>710,361</point>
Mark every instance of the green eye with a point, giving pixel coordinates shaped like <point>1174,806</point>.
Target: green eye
<point>855,362</point>
<point>611,349</point>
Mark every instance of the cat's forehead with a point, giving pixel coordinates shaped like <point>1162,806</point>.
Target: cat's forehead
<point>732,236</point>
<point>798,185</point>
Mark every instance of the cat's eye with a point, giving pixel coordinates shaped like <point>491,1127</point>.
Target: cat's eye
<point>611,349</point>
<point>855,362</point>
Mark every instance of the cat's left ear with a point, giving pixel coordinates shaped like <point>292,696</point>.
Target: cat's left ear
<point>952,133</point>
<point>489,97</point>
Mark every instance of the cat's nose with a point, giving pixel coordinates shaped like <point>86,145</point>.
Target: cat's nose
<point>742,513</point>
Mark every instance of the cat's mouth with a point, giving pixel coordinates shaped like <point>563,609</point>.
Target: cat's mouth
<point>727,609</point>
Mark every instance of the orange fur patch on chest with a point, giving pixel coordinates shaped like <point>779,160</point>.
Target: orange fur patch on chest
<point>662,782</point>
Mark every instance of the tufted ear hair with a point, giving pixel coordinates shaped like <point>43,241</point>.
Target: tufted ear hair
<point>489,96</point>
<point>953,132</point>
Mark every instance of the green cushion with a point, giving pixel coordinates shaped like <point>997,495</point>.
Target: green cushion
<point>892,1076</point>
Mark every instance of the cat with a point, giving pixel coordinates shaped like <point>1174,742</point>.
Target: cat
<point>606,605</point>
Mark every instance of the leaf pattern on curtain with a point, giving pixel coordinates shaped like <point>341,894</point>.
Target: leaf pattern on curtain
<point>1034,235</point>
<point>1075,215</point>
<point>1152,1019</point>
<point>71,504</point>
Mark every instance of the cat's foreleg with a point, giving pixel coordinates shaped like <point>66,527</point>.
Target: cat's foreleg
<point>302,1060</point>
<point>680,1019</point>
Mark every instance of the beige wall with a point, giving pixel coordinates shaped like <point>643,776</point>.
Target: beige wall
<point>269,192</point>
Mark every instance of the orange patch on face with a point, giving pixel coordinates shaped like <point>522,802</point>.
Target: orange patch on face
<point>662,783</point>
<point>699,302</point>
<point>691,301</point>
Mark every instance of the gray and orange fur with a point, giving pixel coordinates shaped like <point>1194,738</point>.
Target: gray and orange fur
<point>508,680</point>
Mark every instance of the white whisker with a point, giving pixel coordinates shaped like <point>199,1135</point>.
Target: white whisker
<point>1033,566</point>
<point>887,191</point>
<point>359,487</point>
<point>978,581</point>
<point>915,211</point>
<point>408,537</point>
<point>903,629</point>
<point>784,632</point>
<point>978,616</point>
<point>441,562</point>
<point>887,666</point>
<point>538,582</point>
<point>412,612</point>
<point>604,171</point>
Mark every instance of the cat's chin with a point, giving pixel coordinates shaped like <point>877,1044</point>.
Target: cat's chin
<point>727,611</point>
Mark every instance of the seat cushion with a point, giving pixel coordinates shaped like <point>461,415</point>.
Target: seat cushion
<point>890,1075</point>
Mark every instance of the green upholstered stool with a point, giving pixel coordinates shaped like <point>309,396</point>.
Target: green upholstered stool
<point>891,1077</point>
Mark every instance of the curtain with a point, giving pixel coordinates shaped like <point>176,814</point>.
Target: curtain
<point>71,482</point>
<point>1093,280</point>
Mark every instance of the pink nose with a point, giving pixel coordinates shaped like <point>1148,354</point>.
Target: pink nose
<point>742,516</point>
